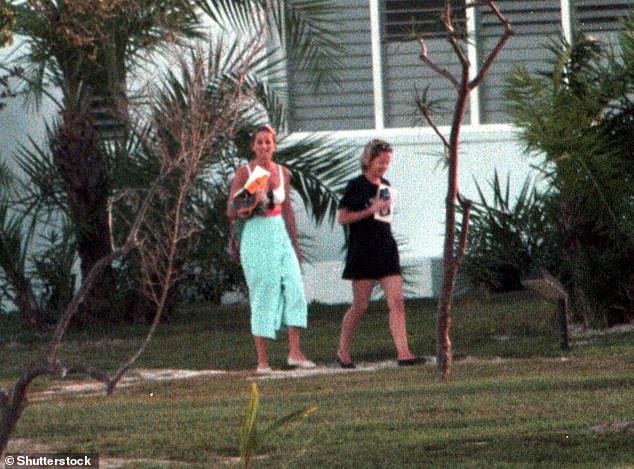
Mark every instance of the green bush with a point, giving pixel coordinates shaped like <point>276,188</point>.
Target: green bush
<point>508,238</point>
<point>575,118</point>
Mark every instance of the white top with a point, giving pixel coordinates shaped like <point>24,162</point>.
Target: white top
<point>279,194</point>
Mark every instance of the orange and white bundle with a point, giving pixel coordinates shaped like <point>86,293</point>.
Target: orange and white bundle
<point>250,195</point>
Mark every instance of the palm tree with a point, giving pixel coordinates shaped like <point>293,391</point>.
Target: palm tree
<point>90,56</point>
<point>86,50</point>
<point>7,23</point>
<point>319,167</point>
<point>577,118</point>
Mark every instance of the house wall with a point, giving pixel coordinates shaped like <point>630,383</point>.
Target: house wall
<point>380,81</point>
<point>375,98</point>
<point>421,183</point>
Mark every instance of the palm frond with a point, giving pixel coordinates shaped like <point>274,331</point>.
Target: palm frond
<point>6,176</point>
<point>43,188</point>
<point>319,170</point>
<point>236,15</point>
<point>53,267</point>
<point>156,20</point>
<point>509,236</point>
<point>304,28</point>
<point>14,245</point>
<point>310,38</point>
<point>67,48</point>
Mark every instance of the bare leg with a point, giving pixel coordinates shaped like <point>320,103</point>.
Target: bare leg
<point>361,291</point>
<point>294,348</point>
<point>393,288</point>
<point>260,348</point>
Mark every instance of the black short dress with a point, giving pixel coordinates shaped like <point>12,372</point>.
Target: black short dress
<point>372,250</point>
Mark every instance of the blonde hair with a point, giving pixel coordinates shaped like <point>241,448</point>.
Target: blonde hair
<point>263,128</point>
<point>371,150</point>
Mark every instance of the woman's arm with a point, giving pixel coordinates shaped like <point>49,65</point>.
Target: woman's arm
<point>289,214</point>
<point>345,216</point>
<point>239,181</point>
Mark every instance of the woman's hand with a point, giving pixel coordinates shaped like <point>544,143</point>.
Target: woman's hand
<point>246,212</point>
<point>346,217</point>
<point>379,204</point>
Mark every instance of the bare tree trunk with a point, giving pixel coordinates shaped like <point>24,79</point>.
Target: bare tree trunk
<point>11,407</point>
<point>24,300</point>
<point>451,261</point>
<point>452,255</point>
<point>570,221</point>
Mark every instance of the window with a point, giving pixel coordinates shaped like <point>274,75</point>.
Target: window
<point>401,18</point>
<point>349,105</point>
<point>535,24</point>
<point>381,78</point>
<point>404,75</point>
<point>600,16</point>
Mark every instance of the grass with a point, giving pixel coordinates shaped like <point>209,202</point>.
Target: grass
<point>514,400</point>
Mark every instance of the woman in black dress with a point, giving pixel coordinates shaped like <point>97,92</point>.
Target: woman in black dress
<point>372,255</point>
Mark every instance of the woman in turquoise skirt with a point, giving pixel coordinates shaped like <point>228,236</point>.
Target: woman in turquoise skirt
<point>269,253</point>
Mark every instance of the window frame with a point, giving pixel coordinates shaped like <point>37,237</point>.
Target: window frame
<point>380,104</point>
<point>394,22</point>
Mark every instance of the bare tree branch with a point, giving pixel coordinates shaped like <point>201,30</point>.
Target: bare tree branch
<point>73,306</point>
<point>454,38</point>
<point>159,254</point>
<point>424,109</point>
<point>466,205</point>
<point>451,258</point>
<point>435,67</point>
<point>488,63</point>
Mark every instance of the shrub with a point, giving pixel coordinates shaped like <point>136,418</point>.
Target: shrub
<point>510,238</point>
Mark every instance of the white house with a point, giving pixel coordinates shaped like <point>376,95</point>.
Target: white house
<point>380,75</point>
<point>376,98</point>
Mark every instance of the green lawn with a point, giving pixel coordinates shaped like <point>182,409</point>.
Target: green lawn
<point>514,400</point>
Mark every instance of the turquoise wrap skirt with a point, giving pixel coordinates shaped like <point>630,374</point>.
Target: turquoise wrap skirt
<point>273,275</point>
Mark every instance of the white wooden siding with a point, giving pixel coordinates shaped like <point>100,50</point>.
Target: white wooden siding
<point>351,106</point>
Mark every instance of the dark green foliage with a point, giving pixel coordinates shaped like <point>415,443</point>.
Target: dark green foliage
<point>508,239</point>
<point>36,273</point>
<point>577,118</point>
<point>54,271</point>
<point>91,60</point>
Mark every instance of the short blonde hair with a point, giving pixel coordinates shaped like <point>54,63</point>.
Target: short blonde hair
<point>371,150</point>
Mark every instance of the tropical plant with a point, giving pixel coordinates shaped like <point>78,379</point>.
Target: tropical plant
<point>182,135</point>
<point>85,51</point>
<point>53,271</point>
<point>14,269</point>
<point>576,118</point>
<point>510,238</point>
<point>91,57</point>
<point>250,438</point>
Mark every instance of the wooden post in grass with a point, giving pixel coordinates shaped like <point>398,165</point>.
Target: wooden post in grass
<point>549,287</point>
